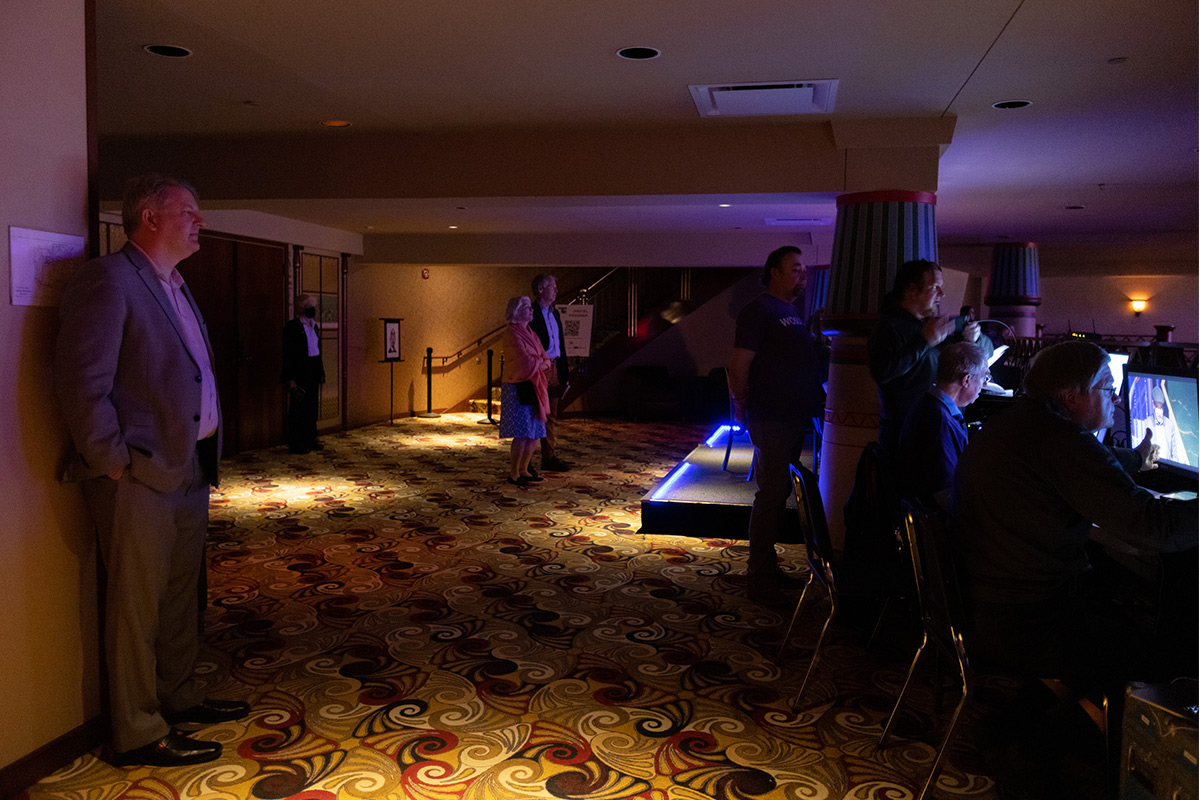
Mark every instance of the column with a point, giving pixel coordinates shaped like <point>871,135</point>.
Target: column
<point>875,233</point>
<point>1013,295</point>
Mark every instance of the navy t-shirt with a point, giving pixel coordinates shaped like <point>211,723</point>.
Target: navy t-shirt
<point>788,366</point>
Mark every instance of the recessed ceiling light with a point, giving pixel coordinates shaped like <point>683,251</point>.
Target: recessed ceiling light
<point>1075,208</point>
<point>167,50</point>
<point>724,205</point>
<point>1009,104</point>
<point>335,123</point>
<point>639,53</point>
<point>453,227</point>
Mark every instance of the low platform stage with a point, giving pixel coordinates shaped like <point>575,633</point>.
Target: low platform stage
<point>699,499</point>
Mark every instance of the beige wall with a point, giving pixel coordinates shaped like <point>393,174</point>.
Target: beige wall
<point>1081,300</point>
<point>48,683</point>
<point>451,309</point>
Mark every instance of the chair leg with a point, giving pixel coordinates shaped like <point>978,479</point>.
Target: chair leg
<point>816,657</point>
<point>795,616</point>
<point>728,447</point>
<point>887,603</point>
<point>937,761</point>
<point>912,669</point>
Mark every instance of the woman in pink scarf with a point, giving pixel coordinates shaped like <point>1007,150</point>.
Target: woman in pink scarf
<point>524,401</point>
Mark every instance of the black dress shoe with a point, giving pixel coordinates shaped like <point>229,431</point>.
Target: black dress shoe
<point>533,473</point>
<point>318,446</point>
<point>555,464</point>
<point>172,750</point>
<point>520,480</point>
<point>209,712</point>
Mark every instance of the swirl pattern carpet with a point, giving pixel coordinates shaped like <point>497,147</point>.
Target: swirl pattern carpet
<point>405,624</point>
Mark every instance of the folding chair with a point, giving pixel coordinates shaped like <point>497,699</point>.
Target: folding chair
<point>942,615</point>
<point>819,553</point>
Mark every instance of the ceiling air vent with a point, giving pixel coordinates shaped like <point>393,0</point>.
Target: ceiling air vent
<point>749,99</point>
<point>796,221</point>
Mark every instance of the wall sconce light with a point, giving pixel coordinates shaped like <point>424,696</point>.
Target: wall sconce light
<point>1138,307</point>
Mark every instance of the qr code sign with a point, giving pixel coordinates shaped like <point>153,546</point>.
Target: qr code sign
<point>571,328</point>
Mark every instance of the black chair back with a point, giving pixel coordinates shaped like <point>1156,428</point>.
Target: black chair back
<point>936,578</point>
<point>813,525</point>
<point>819,554</point>
<point>941,616</point>
<point>873,510</point>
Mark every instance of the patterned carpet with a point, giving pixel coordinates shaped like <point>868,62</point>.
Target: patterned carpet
<point>407,625</point>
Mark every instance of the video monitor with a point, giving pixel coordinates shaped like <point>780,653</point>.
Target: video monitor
<point>1116,363</point>
<point>1164,401</point>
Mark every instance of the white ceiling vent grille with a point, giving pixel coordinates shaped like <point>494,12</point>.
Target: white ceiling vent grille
<point>750,99</point>
<point>796,221</point>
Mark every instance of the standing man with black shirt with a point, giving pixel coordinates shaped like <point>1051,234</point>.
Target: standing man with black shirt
<point>547,324</point>
<point>775,377</point>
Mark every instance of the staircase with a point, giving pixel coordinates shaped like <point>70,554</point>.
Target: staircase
<point>631,308</point>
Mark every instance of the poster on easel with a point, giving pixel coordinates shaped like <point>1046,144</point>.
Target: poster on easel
<point>577,328</point>
<point>391,339</point>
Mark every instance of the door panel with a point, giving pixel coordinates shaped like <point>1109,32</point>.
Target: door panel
<point>240,288</point>
<point>261,276</point>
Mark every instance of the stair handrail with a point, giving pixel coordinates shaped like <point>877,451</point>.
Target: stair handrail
<point>477,343</point>
<point>581,295</point>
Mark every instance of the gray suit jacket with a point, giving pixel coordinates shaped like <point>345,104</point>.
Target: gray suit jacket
<point>128,386</point>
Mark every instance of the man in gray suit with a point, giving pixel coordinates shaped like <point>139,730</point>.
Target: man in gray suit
<point>133,372</point>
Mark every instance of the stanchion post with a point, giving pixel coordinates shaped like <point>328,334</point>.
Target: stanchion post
<point>488,401</point>
<point>429,386</point>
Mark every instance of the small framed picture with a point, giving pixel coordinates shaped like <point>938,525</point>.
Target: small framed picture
<point>391,339</point>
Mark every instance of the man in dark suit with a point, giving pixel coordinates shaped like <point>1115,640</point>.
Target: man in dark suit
<point>303,373</point>
<point>547,324</point>
<point>133,373</point>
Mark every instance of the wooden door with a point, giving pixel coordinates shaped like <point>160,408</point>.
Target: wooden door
<point>240,288</point>
<point>262,302</point>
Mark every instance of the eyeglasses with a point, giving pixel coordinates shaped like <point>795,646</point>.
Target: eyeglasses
<point>1106,388</point>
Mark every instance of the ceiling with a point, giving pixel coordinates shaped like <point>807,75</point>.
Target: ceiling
<point>1112,126</point>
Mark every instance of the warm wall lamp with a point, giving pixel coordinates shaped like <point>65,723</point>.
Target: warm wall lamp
<point>1138,307</point>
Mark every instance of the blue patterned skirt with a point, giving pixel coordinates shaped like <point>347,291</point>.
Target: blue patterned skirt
<point>518,421</point>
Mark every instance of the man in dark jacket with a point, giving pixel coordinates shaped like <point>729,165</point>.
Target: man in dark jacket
<point>903,349</point>
<point>303,373</point>
<point>547,324</point>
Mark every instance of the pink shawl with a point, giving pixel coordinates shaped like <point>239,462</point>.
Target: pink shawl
<point>525,360</point>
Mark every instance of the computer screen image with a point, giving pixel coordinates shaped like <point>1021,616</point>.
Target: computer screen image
<point>1164,404</point>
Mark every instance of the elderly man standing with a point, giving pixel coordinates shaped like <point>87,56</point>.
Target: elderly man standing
<point>935,433</point>
<point>547,324</point>
<point>902,351</point>
<point>133,373</point>
<point>775,377</point>
<point>303,374</point>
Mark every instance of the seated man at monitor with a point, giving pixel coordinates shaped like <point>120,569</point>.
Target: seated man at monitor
<point>935,433</point>
<point>1026,493</point>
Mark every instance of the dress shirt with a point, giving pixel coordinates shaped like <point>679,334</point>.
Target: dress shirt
<point>552,349</point>
<point>190,326</point>
<point>310,335</point>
